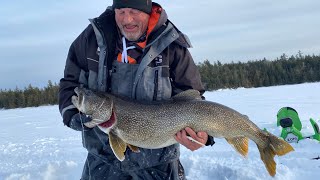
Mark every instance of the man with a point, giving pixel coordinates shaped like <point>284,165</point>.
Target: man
<point>132,50</point>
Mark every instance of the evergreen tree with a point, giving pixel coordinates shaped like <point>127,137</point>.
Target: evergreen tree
<point>29,97</point>
<point>283,70</point>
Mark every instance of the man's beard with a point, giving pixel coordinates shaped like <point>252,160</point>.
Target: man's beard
<point>132,36</point>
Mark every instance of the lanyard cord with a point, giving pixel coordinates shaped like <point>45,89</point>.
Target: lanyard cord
<point>124,56</point>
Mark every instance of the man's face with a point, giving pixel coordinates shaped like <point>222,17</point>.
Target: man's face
<point>131,22</point>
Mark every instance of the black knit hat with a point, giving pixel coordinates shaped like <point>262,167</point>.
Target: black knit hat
<point>142,5</point>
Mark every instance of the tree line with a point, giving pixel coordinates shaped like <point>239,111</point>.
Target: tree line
<point>284,70</point>
<point>29,97</point>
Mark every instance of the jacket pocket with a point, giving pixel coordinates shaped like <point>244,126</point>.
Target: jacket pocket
<point>122,78</point>
<point>153,85</point>
<point>93,64</point>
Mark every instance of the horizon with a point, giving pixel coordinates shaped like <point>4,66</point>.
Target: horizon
<point>44,85</point>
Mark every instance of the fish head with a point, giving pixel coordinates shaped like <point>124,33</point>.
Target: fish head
<point>97,105</point>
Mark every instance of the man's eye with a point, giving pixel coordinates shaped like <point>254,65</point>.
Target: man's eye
<point>120,12</point>
<point>135,12</point>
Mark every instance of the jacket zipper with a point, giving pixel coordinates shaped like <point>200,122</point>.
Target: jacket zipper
<point>108,73</point>
<point>156,79</point>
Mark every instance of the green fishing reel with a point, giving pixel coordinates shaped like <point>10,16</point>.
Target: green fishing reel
<point>289,120</point>
<point>316,130</point>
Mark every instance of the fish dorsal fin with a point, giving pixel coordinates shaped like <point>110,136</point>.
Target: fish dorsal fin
<point>117,145</point>
<point>240,144</point>
<point>189,94</point>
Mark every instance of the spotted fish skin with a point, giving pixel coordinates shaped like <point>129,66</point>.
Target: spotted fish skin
<point>153,125</point>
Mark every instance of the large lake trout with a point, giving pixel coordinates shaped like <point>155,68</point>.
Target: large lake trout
<point>153,125</point>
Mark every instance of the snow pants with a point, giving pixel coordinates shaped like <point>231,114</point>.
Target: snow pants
<point>96,169</point>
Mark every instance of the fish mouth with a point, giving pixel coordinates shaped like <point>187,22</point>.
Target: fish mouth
<point>80,91</point>
<point>77,99</point>
<point>76,90</point>
<point>109,122</point>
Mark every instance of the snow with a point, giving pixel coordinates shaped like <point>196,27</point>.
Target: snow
<point>35,144</point>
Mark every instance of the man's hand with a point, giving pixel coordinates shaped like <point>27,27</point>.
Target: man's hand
<point>77,122</point>
<point>181,137</point>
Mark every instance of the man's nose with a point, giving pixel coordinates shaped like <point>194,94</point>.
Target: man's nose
<point>127,18</point>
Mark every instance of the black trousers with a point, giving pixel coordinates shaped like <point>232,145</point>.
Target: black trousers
<point>96,169</point>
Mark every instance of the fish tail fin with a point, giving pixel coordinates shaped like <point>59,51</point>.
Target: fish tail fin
<point>274,146</point>
<point>240,144</point>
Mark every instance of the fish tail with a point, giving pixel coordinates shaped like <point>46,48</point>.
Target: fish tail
<point>274,146</point>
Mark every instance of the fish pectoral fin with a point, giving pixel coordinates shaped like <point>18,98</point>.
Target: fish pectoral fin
<point>117,145</point>
<point>240,144</point>
<point>134,148</point>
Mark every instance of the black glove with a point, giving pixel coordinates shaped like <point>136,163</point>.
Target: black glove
<point>210,141</point>
<point>77,122</point>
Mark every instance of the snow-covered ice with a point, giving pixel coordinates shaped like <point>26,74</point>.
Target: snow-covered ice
<point>34,143</point>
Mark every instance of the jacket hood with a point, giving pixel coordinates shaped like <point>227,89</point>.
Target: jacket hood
<point>163,15</point>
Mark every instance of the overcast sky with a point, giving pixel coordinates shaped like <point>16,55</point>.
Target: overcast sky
<point>35,35</point>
